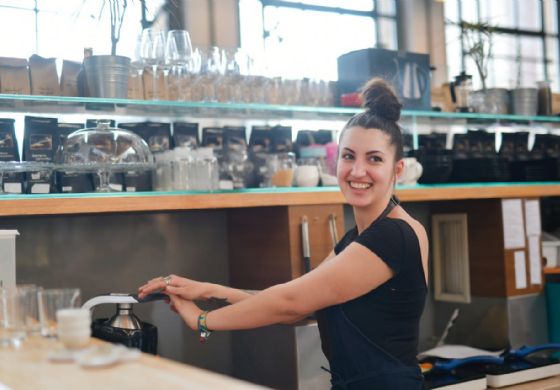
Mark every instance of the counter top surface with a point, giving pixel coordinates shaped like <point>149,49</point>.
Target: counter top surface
<point>56,204</point>
<point>28,367</point>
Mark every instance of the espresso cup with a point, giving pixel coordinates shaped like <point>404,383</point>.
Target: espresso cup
<point>411,172</point>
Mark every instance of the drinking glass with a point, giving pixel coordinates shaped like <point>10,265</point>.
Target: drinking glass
<point>29,304</point>
<point>51,300</point>
<point>178,54</point>
<point>12,329</point>
<point>153,54</point>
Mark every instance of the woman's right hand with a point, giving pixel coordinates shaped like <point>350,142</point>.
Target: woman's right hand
<point>188,289</point>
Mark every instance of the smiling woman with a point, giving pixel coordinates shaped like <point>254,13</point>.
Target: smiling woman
<point>369,293</point>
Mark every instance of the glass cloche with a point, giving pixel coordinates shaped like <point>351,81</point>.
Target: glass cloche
<point>103,150</point>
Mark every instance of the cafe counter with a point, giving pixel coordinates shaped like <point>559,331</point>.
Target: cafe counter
<point>28,367</point>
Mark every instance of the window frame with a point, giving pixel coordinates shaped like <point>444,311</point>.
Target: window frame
<point>516,33</point>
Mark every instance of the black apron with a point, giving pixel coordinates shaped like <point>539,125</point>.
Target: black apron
<point>357,363</point>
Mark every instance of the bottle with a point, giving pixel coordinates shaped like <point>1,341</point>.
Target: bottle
<point>83,90</point>
<point>544,98</point>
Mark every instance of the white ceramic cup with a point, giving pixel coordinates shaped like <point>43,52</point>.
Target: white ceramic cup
<point>412,171</point>
<point>74,327</point>
<point>307,176</point>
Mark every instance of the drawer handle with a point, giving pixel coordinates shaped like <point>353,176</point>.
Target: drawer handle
<point>332,228</point>
<point>305,245</point>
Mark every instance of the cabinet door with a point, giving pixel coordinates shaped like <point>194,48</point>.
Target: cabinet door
<point>265,243</point>
<point>320,230</point>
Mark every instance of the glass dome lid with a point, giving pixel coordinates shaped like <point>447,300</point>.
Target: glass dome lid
<point>104,146</point>
<point>103,150</point>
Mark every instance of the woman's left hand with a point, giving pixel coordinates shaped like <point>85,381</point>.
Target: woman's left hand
<point>186,309</point>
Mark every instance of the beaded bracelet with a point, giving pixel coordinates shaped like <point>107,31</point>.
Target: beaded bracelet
<point>202,328</point>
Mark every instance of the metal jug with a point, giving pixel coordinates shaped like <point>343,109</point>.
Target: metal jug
<point>461,90</point>
<point>125,327</point>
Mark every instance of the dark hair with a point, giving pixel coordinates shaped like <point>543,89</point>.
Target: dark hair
<point>382,111</point>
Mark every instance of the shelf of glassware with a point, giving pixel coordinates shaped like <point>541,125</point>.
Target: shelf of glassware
<point>55,204</point>
<point>177,109</point>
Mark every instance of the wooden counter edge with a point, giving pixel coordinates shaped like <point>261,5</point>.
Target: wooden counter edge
<point>147,203</point>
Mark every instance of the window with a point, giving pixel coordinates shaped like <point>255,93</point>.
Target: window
<point>524,40</point>
<point>62,28</point>
<point>304,38</point>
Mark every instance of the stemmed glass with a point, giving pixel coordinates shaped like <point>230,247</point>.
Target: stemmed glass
<point>178,54</point>
<point>153,54</point>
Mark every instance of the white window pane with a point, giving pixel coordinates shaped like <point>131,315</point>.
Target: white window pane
<point>308,43</point>
<point>357,5</point>
<point>553,61</point>
<point>502,73</point>
<point>529,15</point>
<point>387,34</point>
<point>386,7</point>
<point>453,51</point>
<point>469,11</point>
<point>550,16</point>
<point>251,25</point>
<point>504,45</point>
<point>20,24</point>
<point>451,11</point>
<point>497,12</point>
<point>28,4</point>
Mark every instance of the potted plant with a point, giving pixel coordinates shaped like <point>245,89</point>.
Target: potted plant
<point>477,38</point>
<point>107,75</point>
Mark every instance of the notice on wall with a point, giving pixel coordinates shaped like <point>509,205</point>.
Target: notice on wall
<point>512,220</point>
<point>520,269</point>
<point>532,218</point>
<point>535,262</point>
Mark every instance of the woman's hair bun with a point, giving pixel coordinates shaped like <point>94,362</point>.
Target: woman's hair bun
<point>380,99</point>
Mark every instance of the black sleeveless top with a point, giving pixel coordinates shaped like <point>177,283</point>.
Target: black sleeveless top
<point>390,314</point>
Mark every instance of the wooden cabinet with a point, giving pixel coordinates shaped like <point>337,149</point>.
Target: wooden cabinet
<point>265,244</point>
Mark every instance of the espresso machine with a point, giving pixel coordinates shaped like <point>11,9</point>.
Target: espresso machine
<point>124,327</point>
<point>461,90</point>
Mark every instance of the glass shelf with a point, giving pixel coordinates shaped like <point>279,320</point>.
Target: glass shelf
<point>279,190</point>
<point>174,109</point>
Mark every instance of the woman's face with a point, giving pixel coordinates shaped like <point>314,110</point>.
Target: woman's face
<point>366,168</point>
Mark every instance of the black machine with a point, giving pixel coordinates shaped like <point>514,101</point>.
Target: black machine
<point>124,327</point>
<point>409,73</point>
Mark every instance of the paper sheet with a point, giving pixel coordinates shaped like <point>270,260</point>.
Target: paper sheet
<point>520,269</point>
<point>532,218</point>
<point>512,219</point>
<point>452,351</point>
<point>535,261</point>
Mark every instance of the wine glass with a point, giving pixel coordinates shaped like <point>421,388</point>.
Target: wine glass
<point>153,54</point>
<point>178,54</point>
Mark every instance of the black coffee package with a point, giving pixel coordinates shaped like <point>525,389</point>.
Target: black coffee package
<point>235,138</point>
<point>40,143</point>
<point>323,137</point>
<point>281,139</point>
<point>64,129</point>
<point>185,135</point>
<point>73,182</point>
<point>40,139</point>
<point>260,140</point>
<point>157,135</point>
<point>8,142</point>
<point>213,137</point>
<point>13,182</point>
<point>137,180</point>
<point>303,138</point>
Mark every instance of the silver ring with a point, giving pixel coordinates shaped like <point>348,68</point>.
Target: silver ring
<point>167,280</point>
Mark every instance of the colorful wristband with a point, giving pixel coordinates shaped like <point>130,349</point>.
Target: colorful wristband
<point>202,328</point>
